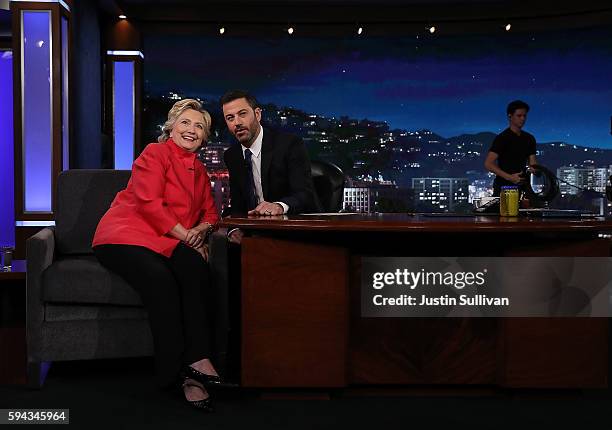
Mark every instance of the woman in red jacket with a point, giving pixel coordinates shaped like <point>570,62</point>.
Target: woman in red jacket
<point>154,236</point>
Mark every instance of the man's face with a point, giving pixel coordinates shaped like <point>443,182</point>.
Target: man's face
<point>242,120</point>
<point>518,118</point>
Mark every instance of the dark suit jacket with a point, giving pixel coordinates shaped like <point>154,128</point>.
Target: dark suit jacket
<point>285,174</point>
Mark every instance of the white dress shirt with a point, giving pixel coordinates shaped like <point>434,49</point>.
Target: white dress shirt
<point>256,167</point>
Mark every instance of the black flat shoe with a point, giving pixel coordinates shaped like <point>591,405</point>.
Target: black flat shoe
<point>205,405</point>
<point>203,378</point>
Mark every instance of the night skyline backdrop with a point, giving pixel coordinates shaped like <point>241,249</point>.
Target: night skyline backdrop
<point>449,84</point>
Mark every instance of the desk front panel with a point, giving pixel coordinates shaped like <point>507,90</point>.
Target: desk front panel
<point>510,352</point>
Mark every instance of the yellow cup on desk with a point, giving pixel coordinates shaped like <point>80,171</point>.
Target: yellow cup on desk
<point>509,201</point>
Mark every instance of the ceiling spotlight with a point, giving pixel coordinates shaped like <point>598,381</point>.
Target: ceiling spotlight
<point>432,29</point>
<point>360,30</point>
<point>508,27</point>
<point>122,17</point>
<point>221,30</point>
<point>290,30</point>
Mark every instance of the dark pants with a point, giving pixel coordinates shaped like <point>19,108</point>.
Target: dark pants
<point>177,294</point>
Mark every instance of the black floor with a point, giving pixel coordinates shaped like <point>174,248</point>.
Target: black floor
<point>116,394</point>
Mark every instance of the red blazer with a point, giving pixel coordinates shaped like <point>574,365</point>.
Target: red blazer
<point>168,186</point>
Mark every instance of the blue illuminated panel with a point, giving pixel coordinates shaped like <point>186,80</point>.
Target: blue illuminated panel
<point>65,116</point>
<point>123,113</point>
<point>7,207</point>
<point>37,110</point>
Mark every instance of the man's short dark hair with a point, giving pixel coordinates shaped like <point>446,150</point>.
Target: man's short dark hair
<point>232,95</point>
<point>516,104</point>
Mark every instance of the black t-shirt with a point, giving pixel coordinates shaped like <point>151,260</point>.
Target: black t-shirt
<point>513,152</point>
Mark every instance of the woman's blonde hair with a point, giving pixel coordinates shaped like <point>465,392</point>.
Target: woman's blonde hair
<point>177,109</point>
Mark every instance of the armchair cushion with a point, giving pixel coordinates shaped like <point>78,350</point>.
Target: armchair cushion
<point>81,279</point>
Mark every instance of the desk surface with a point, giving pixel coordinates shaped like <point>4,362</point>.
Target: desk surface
<point>417,222</point>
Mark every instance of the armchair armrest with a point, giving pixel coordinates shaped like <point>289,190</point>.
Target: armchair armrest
<point>40,253</point>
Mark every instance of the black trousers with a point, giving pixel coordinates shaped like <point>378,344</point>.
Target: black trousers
<point>177,294</point>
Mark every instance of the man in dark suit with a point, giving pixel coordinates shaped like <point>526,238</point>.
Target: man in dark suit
<point>269,175</point>
<point>269,171</point>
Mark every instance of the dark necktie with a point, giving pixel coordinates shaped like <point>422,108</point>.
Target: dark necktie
<point>250,183</point>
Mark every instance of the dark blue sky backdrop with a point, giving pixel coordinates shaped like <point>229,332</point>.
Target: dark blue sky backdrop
<point>449,84</point>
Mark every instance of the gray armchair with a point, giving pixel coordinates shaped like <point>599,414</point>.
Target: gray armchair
<point>76,309</point>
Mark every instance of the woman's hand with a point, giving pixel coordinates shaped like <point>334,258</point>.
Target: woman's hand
<point>194,238</point>
<point>203,251</point>
<point>195,235</point>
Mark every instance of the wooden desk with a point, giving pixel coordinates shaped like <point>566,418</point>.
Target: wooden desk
<point>301,323</point>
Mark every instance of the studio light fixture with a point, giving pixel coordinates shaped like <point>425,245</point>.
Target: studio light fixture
<point>432,29</point>
<point>290,30</point>
<point>221,30</point>
<point>508,27</point>
<point>122,16</point>
<point>360,30</point>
